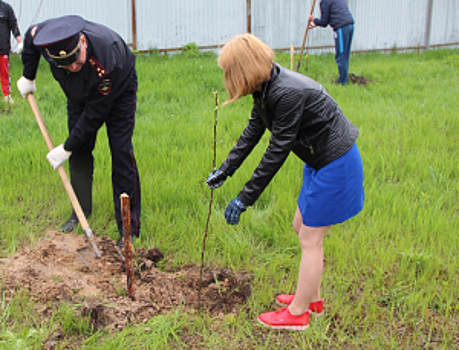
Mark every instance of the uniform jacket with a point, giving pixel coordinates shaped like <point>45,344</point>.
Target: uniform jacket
<point>334,13</point>
<point>8,24</point>
<point>302,117</point>
<point>109,70</point>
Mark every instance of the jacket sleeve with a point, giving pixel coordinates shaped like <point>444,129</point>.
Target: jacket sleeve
<point>13,23</point>
<point>324,19</point>
<point>246,143</point>
<point>30,57</point>
<point>288,111</point>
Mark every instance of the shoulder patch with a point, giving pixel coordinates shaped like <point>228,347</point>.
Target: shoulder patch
<point>105,86</point>
<point>95,64</point>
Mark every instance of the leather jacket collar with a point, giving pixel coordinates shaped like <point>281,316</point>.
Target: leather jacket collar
<point>261,95</point>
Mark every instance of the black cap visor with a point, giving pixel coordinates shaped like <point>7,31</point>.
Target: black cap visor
<point>63,58</point>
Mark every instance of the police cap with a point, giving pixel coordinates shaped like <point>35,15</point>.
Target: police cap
<point>61,38</point>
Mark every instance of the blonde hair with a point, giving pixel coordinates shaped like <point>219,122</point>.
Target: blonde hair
<point>247,62</point>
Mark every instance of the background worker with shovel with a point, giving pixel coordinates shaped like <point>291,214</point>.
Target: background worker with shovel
<point>96,70</point>
<point>336,14</point>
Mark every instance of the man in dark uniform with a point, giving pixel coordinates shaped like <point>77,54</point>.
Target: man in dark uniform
<point>96,71</point>
<point>8,24</point>
<point>336,14</point>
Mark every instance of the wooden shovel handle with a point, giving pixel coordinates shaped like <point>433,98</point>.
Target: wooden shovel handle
<point>68,187</point>
<point>305,36</point>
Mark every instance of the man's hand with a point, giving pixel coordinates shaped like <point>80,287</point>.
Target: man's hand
<point>216,179</point>
<point>311,19</point>
<point>233,211</point>
<point>58,156</point>
<point>19,48</point>
<point>26,86</point>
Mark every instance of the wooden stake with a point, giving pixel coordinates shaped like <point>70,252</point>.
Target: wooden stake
<point>292,54</point>
<point>305,36</point>
<point>127,242</point>
<point>134,26</point>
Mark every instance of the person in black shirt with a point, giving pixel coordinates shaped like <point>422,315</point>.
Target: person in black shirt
<point>96,70</point>
<point>336,14</point>
<point>8,24</point>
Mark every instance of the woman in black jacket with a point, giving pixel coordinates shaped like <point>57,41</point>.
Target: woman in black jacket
<point>304,119</point>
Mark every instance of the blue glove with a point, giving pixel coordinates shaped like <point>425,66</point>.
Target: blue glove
<point>233,211</point>
<point>216,179</point>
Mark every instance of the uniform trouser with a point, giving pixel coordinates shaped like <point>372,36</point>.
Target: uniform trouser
<point>120,123</point>
<point>343,41</point>
<point>5,73</point>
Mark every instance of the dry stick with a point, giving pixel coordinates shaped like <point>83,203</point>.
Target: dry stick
<point>305,36</point>
<point>127,241</point>
<point>211,197</point>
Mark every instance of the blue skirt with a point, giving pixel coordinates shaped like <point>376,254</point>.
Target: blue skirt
<point>334,193</point>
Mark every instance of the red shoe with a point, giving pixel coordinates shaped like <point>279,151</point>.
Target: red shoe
<point>316,307</point>
<point>283,319</point>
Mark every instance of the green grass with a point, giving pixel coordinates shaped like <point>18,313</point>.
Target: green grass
<point>391,276</point>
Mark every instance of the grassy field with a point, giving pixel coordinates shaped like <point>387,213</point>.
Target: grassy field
<point>391,278</point>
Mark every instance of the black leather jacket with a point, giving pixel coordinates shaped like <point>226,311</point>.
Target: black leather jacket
<point>302,117</point>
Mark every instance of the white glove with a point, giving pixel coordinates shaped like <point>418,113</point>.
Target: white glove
<point>26,86</point>
<point>20,47</point>
<point>58,156</point>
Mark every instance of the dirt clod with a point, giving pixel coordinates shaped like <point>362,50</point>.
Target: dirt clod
<point>359,80</point>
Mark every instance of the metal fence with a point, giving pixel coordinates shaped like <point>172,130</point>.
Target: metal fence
<point>169,25</point>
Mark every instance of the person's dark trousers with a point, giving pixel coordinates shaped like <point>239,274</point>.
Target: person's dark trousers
<point>343,42</point>
<point>125,177</point>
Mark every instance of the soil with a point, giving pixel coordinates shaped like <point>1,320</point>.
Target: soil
<point>359,79</point>
<point>53,272</point>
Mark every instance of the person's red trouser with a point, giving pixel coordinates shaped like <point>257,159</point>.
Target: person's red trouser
<point>5,74</point>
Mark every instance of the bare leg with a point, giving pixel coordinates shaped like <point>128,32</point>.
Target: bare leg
<point>311,265</point>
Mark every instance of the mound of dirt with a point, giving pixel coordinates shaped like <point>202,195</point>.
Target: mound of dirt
<point>53,272</point>
<point>359,79</point>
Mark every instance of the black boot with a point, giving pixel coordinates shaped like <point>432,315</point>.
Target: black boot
<point>70,224</point>
<point>120,242</point>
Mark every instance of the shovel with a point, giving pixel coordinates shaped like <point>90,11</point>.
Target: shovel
<point>92,246</point>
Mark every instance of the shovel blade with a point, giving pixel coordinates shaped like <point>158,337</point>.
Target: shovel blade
<point>86,254</point>
<point>92,242</point>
